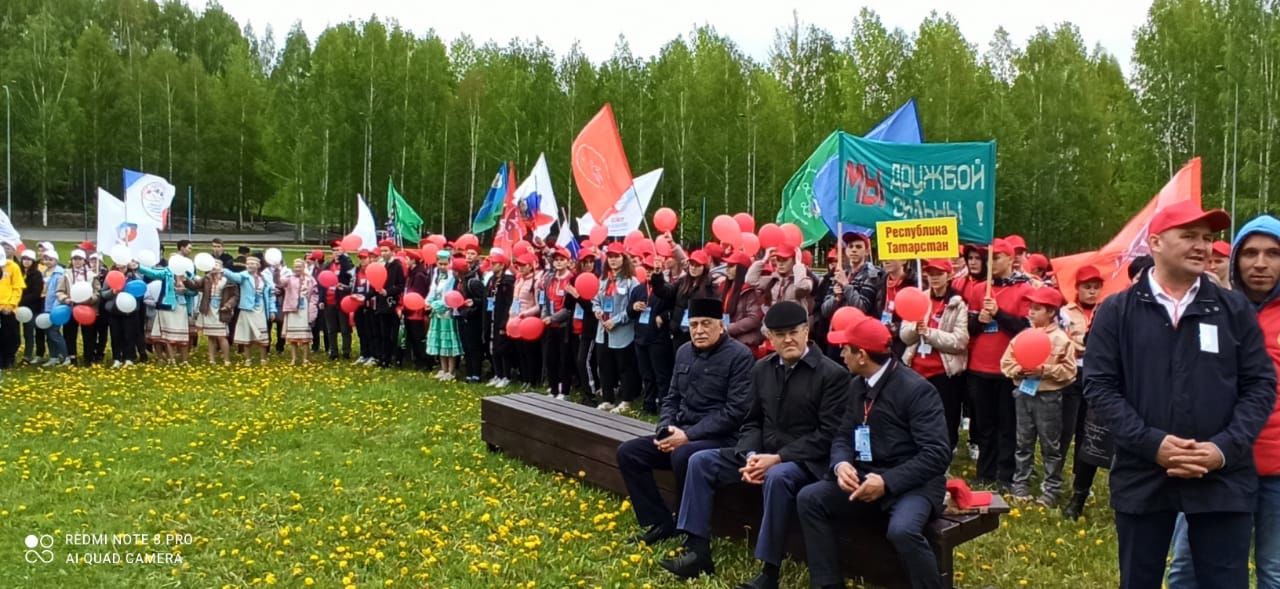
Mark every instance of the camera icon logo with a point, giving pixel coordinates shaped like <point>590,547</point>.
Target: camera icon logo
<point>38,549</point>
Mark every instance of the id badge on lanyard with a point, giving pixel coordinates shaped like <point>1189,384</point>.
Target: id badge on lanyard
<point>607,305</point>
<point>991,327</point>
<point>644,316</point>
<point>577,312</point>
<point>684,322</point>
<point>493,301</point>
<point>1029,386</point>
<point>887,316</point>
<point>725,318</point>
<point>515,307</point>
<point>862,442</point>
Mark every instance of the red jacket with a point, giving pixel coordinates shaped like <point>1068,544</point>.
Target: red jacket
<point>986,348</point>
<point>1266,451</point>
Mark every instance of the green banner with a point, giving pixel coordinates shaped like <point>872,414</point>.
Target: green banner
<point>408,224</point>
<point>798,203</point>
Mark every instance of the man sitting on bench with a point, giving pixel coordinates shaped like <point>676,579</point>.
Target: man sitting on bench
<point>798,399</point>
<point>709,397</point>
<point>889,459</point>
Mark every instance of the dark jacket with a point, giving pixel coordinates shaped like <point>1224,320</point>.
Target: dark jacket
<point>795,413</point>
<point>865,291</point>
<point>471,285</point>
<point>394,287</point>
<point>31,298</point>
<point>909,445</point>
<point>501,288</point>
<point>1148,379</point>
<point>658,302</point>
<point>709,396</point>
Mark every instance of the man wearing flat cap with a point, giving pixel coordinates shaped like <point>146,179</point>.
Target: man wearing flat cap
<point>888,461</point>
<point>703,409</point>
<point>798,400</point>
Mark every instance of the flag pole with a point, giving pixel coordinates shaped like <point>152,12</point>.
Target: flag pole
<point>840,204</point>
<point>189,211</point>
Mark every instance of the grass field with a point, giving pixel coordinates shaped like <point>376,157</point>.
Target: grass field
<point>340,476</point>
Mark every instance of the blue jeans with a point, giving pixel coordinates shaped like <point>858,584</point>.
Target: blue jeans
<point>1266,538</point>
<point>57,345</point>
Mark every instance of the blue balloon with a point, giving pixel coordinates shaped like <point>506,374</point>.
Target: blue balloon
<point>137,288</point>
<point>60,315</point>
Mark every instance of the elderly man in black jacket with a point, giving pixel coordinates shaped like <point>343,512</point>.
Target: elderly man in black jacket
<point>889,460</point>
<point>798,399</point>
<point>703,410</point>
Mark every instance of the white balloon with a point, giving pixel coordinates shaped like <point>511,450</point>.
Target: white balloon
<point>181,264</point>
<point>42,321</point>
<point>153,290</point>
<point>273,256</point>
<point>204,262</point>
<point>121,255</point>
<point>24,315</point>
<point>81,292</point>
<point>148,258</point>
<point>126,303</point>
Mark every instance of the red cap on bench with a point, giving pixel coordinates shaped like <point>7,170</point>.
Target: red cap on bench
<point>965,498</point>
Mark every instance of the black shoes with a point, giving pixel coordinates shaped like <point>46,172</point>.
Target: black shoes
<point>1075,509</point>
<point>690,565</point>
<point>762,581</point>
<point>655,534</point>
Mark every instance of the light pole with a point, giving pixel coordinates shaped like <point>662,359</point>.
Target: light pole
<point>8,153</point>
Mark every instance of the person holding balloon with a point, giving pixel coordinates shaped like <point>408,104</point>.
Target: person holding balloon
<point>1041,361</point>
<point>33,341</point>
<point>524,305</point>
<point>298,306</point>
<point>79,289</point>
<point>558,302</point>
<point>442,335</point>
<point>53,273</point>
<point>170,328</point>
<point>499,293</point>
<point>335,283</point>
<point>416,290</point>
<point>743,303</point>
<point>615,337</point>
<point>585,324</point>
<point>209,321</point>
<point>694,283</point>
<point>257,309</point>
<point>470,318</point>
<point>935,330</point>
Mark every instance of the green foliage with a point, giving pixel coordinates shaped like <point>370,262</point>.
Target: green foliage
<point>294,130</point>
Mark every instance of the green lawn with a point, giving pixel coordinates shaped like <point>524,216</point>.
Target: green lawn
<point>341,476</point>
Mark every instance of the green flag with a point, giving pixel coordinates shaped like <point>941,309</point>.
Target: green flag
<point>798,203</point>
<point>408,224</point>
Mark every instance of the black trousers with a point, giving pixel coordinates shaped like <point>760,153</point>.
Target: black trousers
<point>618,378</point>
<point>993,426</point>
<point>364,329</point>
<point>415,339</point>
<point>1219,548</point>
<point>557,359</point>
<point>529,359</point>
<point>501,356</point>
<point>32,341</point>
<point>101,331</point>
<point>638,458</point>
<point>335,324</point>
<point>471,332</point>
<point>10,337</point>
<point>126,334</point>
<point>655,361</point>
<point>319,333</point>
<point>140,342</point>
<point>822,504</point>
<point>279,338</point>
<point>387,334</point>
<point>951,389</point>
<point>1072,414</point>
<point>588,378</point>
<point>72,332</point>
<point>1083,472</point>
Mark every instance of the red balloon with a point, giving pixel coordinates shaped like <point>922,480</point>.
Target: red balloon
<point>351,244</point>
<point>771,236</point>
<point>726,229</point>
<point>746,222</point>
<point>665,220</point>
<point>466,239</point>
<point>437,239</point>
<point>513,328</point>
<point>632,239</point>
<point>115,280</point>
<point>587,285</point>
<point>351,303</point>
<point>642,247</point>
<point>791,235</point>
<point>84,314</point>
<point>846,316</point>
<point>377,275</point>
<point>599,234</point>
<point>1031,348</point>
<point>414,301</point>
<point>531,328</point>
<point>454,300</point>
<point>750,244</point>
<point>429,252</point>
<point>642,275</point>
<point>327,279</point>
<point>911,304</point>
<point>663,247</point>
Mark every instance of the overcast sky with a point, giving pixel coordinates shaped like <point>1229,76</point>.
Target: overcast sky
<point>649,24</point>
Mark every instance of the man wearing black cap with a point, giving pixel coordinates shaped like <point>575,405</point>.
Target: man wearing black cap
<point>888,461</point>
<point>782,446</point>
<point>703,410</point>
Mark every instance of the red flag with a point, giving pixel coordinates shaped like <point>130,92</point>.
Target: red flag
<point>1112,260</point>
<point>510,225</point>
<point>600,165</point>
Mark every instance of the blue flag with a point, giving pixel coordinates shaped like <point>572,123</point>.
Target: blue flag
<point>903,126</point>
<point>494,201</point>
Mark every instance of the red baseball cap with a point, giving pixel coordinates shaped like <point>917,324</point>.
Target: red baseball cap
<point>832,254</point>
<point>414,255</point>
<point>941,264</point>
<point>1047,296</point>
<point>699,257</point>
<point>88,247</point>
<point>335,243</point>
<point>588,252</point>
<point>1002,246</point>
<point>785,252</point>
<point>497,258</point>
<point>714,250</point>
<point>807,258</point>
<point>459,265</point>
<point>317,255</point>
<point>1037,261</point>
<point>615,249</point>
<point>1222,248</point>
<point>739,259</point>
<point>1017,242</point>
<point>1088,274</point>
<point>387,243</point>
<point>527,260</point>
<point>852,236</point>
<point>365,254</point>
<point>562,253</point>
<point>865,334</point>
<point>1185,213</point>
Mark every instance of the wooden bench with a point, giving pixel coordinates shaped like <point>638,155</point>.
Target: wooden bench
<point>571,438</point>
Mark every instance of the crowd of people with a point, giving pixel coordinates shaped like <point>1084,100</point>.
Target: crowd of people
<point>1174,370</point>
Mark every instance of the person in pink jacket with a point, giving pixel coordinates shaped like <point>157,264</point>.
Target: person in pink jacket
<point>298,305</point>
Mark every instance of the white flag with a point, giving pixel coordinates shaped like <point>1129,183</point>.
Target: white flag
<point>365,228</point>
<point>114,228</point>
<point>8,234</point>
<point>631,207</point>
<point>147,199</point>
<point>536,199</point>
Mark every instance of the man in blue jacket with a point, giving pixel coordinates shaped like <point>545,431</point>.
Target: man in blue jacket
<point>1177,367</point>
<point>709,397</point>
<point>888,461</point>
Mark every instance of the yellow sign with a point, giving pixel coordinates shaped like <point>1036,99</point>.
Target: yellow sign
<point>918,239</point>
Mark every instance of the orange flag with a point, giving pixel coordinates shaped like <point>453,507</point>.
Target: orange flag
<point>1113,259</point>
<point>600,165</point>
